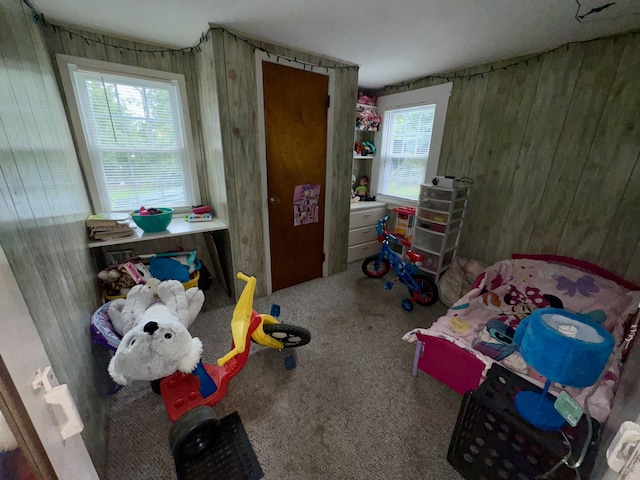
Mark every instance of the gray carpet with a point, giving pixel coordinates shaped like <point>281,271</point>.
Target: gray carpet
<point>350,409</point>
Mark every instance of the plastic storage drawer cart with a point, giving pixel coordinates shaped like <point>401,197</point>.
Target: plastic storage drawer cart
<point>492,442</point>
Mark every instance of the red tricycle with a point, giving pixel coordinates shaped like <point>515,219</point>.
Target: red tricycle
<point>188,398</point>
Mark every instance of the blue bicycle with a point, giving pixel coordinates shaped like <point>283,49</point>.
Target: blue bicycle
<point>422,289</point>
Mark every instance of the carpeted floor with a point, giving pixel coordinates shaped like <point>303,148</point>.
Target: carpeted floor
<point>350,409</point>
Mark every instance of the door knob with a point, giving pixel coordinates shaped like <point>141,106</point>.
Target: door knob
<point>274,200</point>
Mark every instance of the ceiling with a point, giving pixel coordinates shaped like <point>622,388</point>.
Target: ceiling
<point>391,40</point>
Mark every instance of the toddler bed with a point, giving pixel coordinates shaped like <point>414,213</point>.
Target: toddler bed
<point>460,347</point>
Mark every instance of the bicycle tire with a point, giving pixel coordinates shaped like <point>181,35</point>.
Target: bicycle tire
<point>290,335</point>
<point>428,291</point>
<point>369,269</point>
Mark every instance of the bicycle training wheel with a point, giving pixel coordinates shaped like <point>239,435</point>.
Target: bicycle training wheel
<point>289,335</point>
<point>369,266</point>
<point>193,433</point>
<point>428,291</point>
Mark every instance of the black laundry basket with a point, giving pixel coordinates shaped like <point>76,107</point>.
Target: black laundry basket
<point>492,442</point>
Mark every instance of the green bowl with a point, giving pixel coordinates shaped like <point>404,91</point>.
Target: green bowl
<point>153,223</point>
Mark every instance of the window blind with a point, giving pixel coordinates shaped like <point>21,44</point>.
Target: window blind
<point>133,130</point>
<point>405,150</point>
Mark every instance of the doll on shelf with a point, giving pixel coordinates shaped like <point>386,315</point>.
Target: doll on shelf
<point>362,190</point>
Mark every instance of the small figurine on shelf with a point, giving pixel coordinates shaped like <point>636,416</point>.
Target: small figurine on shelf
<point>362,190</point>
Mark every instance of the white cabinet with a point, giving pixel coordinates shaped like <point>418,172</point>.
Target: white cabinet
<point>438,224</point>
<point>363,239</point>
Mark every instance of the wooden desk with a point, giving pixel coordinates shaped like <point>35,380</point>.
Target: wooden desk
<point>176,228</point>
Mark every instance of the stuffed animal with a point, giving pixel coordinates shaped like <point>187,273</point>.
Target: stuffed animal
<point>116,281</point>
<point>155,340</point>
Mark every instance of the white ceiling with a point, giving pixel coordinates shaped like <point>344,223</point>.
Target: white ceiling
<point>391,40</point>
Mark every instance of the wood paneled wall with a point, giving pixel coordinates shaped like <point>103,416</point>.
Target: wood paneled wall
<point>553,147</point>
<point>230,132</point>
<point>43,206</point>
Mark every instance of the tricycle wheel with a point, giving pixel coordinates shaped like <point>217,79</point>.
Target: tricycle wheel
<point>155,386</point>
<point>375,267</point>
<point>193,433</point>
<point>289,335</point>
<point>428,291</point>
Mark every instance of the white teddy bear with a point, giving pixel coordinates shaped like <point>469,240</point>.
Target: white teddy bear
<point>155,340</point>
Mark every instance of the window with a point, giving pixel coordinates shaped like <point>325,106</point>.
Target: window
<point>133,134</point>
<point>410,140</point>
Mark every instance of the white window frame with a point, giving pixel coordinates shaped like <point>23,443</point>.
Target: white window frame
<point>67,63</point>
<point>437,95</point>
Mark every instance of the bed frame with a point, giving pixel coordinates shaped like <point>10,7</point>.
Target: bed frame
<point>463,371</point>
<point>448,363</point>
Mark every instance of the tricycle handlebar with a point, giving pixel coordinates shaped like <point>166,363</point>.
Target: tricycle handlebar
<point>241,318</point>
<point>244,277</point>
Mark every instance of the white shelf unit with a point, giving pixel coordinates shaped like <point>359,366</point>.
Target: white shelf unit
<point>438,223</point>
<point>363,164</point>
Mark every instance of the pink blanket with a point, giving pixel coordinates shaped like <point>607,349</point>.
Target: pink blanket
<point>483,321</point>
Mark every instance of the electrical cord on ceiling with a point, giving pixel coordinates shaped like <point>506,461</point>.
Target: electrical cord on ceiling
<point>491,69</point>
<point>39,19</point>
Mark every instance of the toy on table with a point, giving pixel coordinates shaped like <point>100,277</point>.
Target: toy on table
<point>201,213</point>
<point>149,211</point>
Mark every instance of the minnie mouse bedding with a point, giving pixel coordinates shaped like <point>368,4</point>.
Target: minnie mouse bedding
<point>478,329</point>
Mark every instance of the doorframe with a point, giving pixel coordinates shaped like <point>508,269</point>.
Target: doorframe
<point>261,56</point>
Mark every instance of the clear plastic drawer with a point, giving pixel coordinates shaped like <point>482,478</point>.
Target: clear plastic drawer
<point>438,194</point>
<point>426,240</point>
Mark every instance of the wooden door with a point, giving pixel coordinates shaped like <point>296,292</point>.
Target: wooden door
<point>295,115</point>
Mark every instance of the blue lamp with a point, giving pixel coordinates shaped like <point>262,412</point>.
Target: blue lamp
<point>564,347</point>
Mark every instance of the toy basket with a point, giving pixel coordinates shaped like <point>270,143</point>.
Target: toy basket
<point>102,330</point>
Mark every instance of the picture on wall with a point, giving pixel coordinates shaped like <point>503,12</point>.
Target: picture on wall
<point>305,204</point>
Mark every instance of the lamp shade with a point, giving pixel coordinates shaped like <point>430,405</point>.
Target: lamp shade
<point>565,347</point>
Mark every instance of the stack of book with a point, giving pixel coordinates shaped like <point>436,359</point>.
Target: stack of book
<point>105,226</point>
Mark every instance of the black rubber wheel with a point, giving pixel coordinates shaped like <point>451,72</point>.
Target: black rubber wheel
<point>428,291</point>
<point>369,267</point>
<point>289,335</point>
<point>193,433</point>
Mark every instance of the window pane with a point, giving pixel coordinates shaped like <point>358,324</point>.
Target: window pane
<point>405,150</point>
<point>137,179</point>
<point>131,116</point>
<point>402,176</point>
<point>134,132</point>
